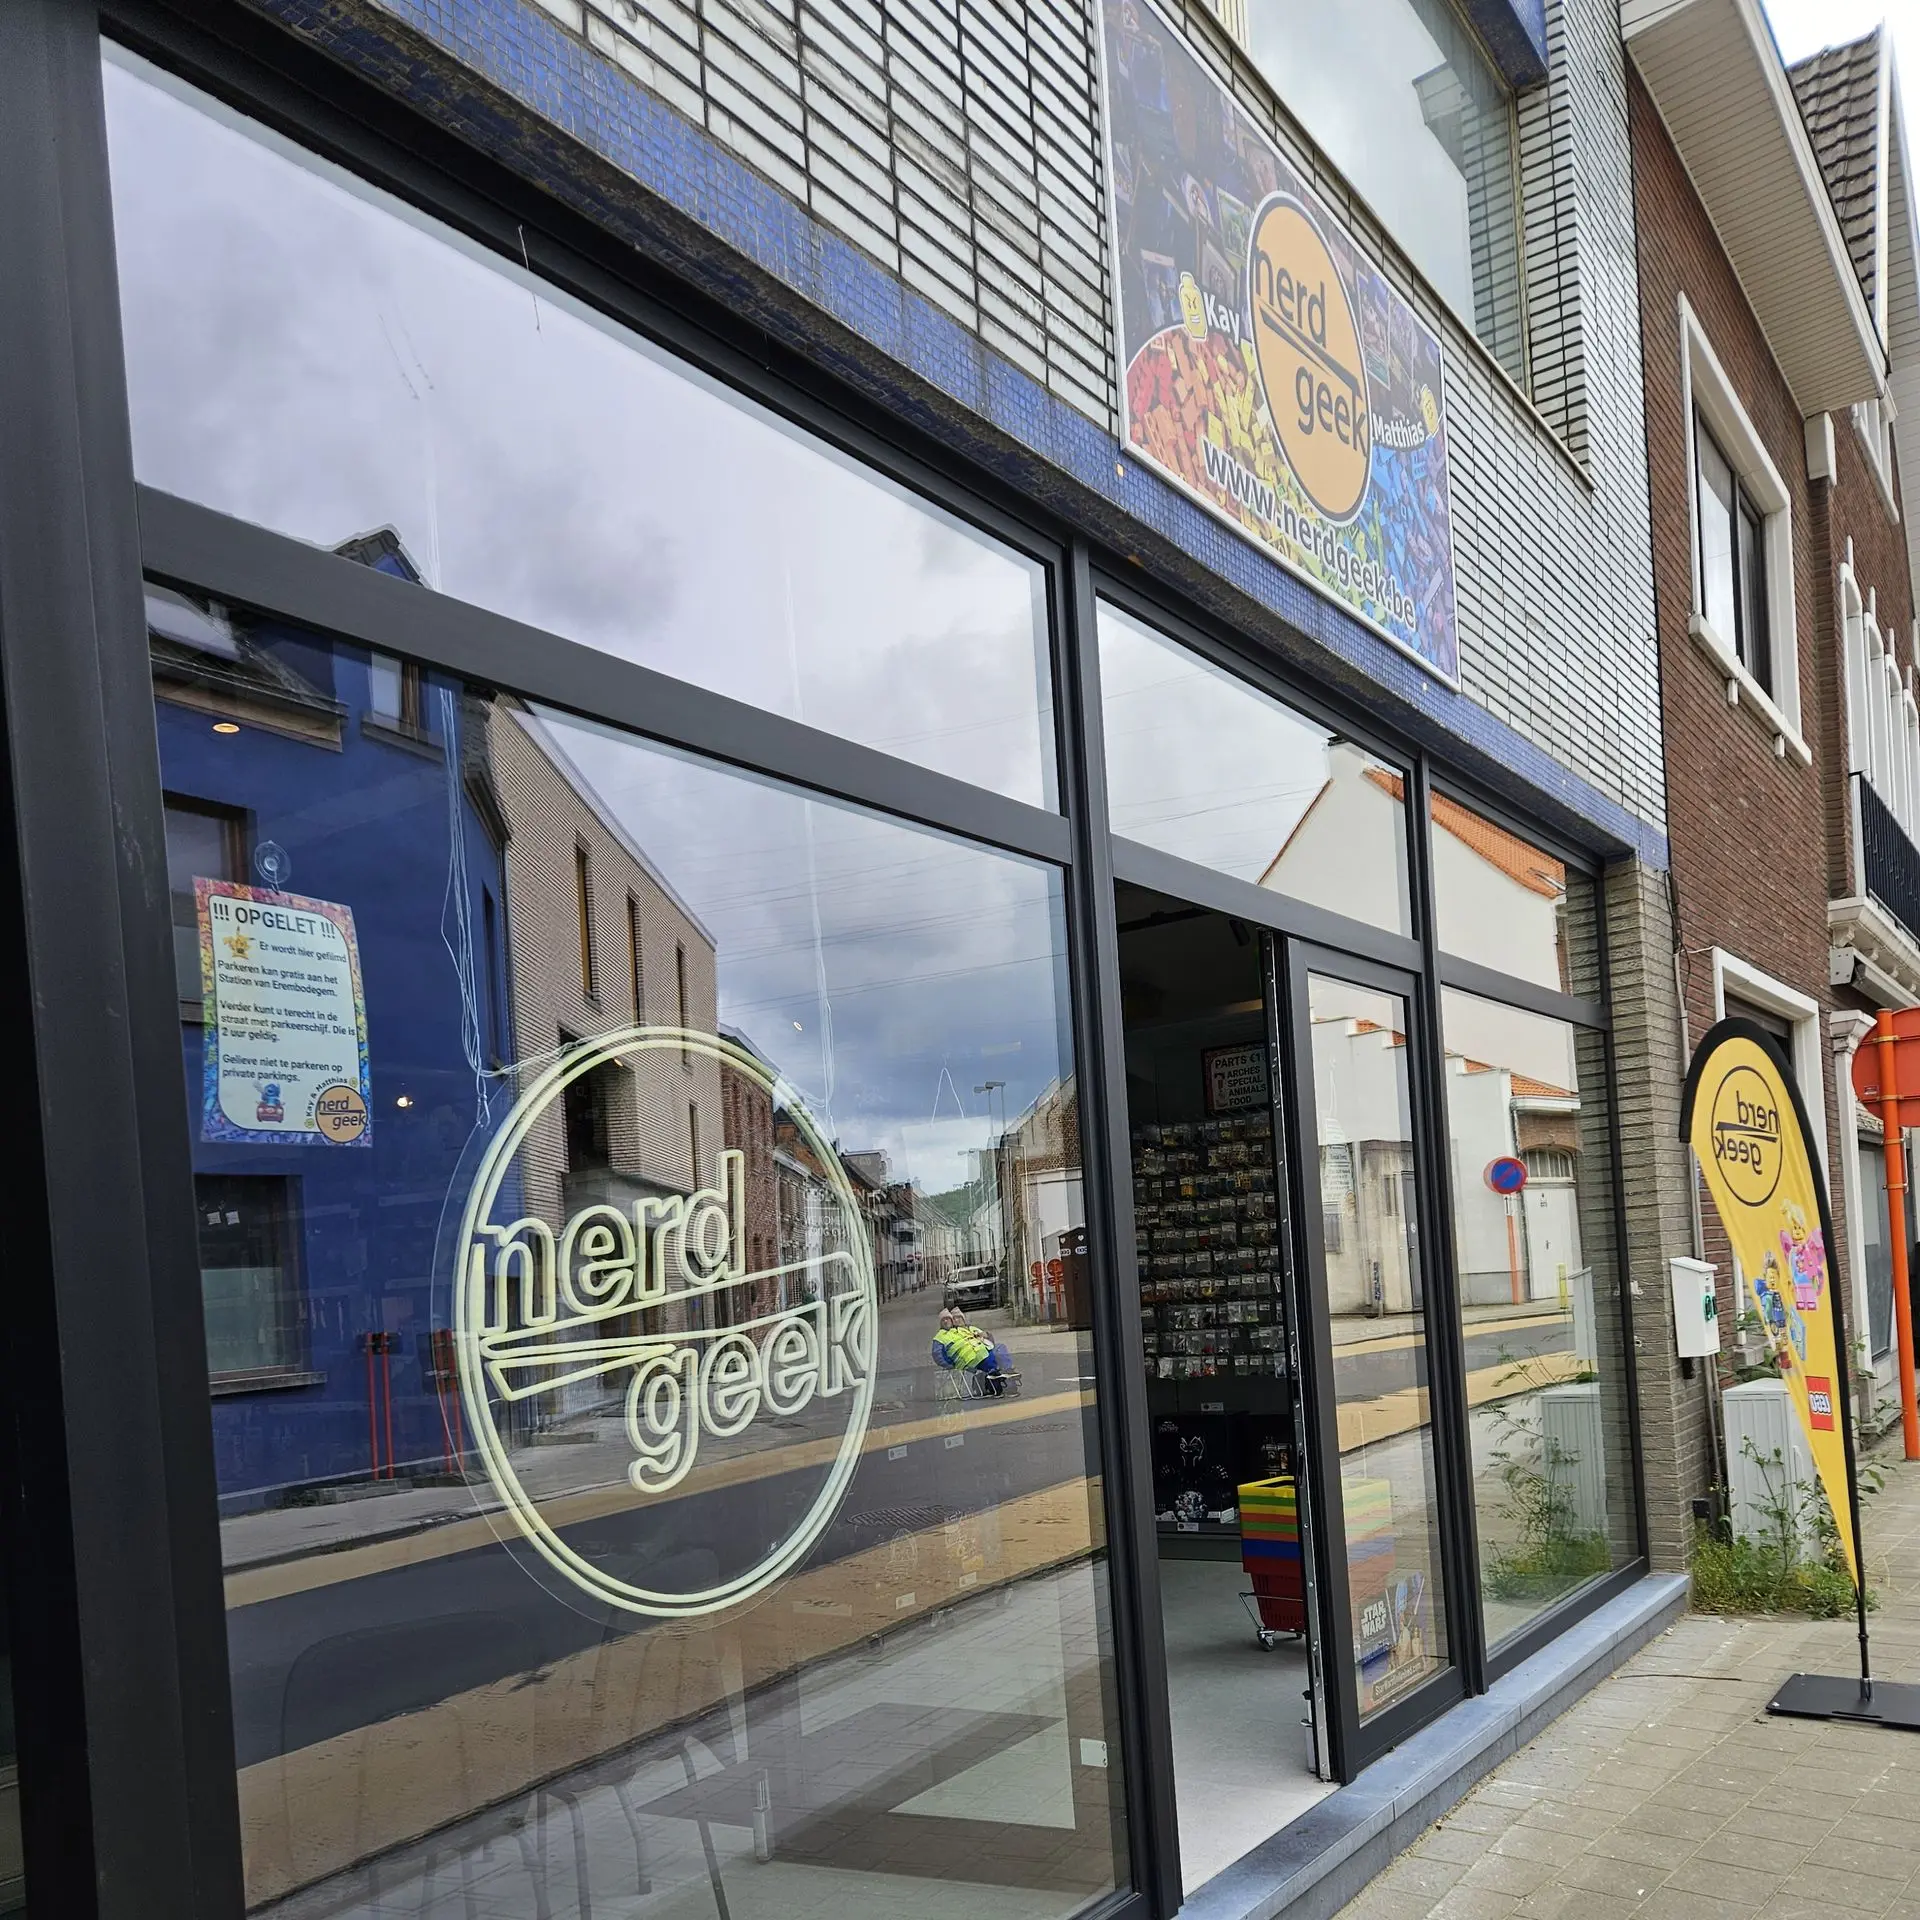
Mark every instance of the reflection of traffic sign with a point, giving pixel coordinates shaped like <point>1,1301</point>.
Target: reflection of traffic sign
<point>1506,1175</point>
<point>1054,1269</point>
<point>1038,1271</point>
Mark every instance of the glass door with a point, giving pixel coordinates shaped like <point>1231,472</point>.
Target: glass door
<point>1366,1363</point>
<point>1293,1319</point>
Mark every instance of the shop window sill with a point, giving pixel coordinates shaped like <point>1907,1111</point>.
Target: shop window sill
<point>1744,689</point>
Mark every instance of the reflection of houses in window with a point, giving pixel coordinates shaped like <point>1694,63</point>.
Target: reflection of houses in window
<point>811,1219</point>
<point>746,1118</point>
<point>1526,1248</point>
<point>1366,1172</point>
<point>1502,900</point>
<point>1359,806</point>
<point>913,1240</point>
<point>294,763</point>
<point>1042,1202</point>
<point>629,1129</point>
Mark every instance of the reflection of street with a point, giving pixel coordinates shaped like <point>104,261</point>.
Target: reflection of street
<point>373,1639</point>
<point>1380,1368</point>
<point>948,1766</point>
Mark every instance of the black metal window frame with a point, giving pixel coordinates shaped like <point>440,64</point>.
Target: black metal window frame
<point>113,1574</point>
<point>1302,928</point>
<point>1751,638</point>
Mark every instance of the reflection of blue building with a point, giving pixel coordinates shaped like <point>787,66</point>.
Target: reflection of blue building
<point>293,764</point>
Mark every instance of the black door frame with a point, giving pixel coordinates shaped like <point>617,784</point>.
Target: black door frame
<point>1355,1744</point>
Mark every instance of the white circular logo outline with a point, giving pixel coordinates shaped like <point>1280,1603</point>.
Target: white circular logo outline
<point>481,1197</point>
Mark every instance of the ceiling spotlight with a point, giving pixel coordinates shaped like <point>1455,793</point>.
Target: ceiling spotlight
<point>226,726</point>
<point>405,1100</point>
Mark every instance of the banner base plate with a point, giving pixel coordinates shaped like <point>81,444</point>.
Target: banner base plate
<point>1823,1696</point>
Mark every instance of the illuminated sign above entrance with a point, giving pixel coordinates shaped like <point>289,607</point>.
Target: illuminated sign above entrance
<point>654,1300</point>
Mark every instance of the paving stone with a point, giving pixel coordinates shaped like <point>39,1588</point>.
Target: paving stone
<point>1670,1904</point>
<point>1475,1903</point>
<point>1540,1843</point>
<point>1751,1887</point>
<point>1854,1892</point>
<point>1887,1858</point>
<point>1671,1793</point>
<point>1772,1852</point>
<point>1503,1873</point>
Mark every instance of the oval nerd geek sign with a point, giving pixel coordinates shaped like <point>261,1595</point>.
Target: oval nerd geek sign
<point>1307,343</point>
<point>656,1304</point>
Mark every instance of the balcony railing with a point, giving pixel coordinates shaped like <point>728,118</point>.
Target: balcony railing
<point>1890,862</point>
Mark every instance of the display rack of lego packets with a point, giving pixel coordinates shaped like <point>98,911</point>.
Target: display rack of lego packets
<point>1208,1243</point>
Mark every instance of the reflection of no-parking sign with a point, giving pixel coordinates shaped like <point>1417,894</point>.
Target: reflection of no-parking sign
<point>1506,1175</point>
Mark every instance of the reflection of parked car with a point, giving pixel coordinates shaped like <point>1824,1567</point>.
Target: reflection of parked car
<point>974,1287</point>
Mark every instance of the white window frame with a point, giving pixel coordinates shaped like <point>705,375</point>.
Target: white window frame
<point>1706,392</point>
<point>1873,422</point>
<point>1747,982</point>
<point>1883,708</point>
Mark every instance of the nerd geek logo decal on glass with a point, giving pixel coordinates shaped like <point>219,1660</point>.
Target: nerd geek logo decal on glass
<point>1307,343</point>
<point>648,1304</point>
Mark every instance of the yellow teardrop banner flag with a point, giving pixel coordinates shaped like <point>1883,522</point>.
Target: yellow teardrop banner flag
<point>1743,1117</point>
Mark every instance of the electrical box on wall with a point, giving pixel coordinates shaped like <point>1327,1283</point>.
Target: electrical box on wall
<point>1696,1311</point>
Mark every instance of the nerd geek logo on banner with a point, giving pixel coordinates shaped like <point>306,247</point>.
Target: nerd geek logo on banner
<point>1742,1115</point>
<point>654,1305</point>
<point>1267,369</point>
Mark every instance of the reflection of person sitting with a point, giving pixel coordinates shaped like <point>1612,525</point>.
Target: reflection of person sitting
<point>967,1350</point>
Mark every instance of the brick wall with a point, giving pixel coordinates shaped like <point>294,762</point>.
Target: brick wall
<point>1748,830</point>
<point>649,1136</point>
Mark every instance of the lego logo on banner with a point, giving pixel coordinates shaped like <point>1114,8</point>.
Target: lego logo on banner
<point>1307,343</point>
<point>1820,1404</point>
<point>635,1298</point>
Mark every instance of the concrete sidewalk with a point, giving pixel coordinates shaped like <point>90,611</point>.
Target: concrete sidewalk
<point>1670,1792</point>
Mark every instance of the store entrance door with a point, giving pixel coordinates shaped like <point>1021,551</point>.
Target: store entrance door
<point>1348,1032</point>
<point>1234,1512</point>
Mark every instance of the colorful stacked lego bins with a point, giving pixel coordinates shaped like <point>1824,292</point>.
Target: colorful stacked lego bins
<point>1270,1552</point>
<point>1370,1547</point>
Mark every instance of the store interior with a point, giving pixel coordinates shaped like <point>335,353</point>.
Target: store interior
<point>1208,1224</point>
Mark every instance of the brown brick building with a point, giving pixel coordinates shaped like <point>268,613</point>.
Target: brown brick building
<point>1773,334</point>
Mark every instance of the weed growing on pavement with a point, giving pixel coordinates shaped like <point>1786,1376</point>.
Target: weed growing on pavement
<point>1792,1565</point>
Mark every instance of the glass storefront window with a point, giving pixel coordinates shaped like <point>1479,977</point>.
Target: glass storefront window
<point>1875,1256</point>
<point>1408,107</point>
<point>1377,1308</point>
<point>1201,765</point>
<point>691,1563</point>
<point>1539,1291</point>
<point>311,355</point>
<point>1507,904</point>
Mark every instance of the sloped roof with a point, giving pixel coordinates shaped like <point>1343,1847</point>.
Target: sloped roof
<point>1839,94</point>
<point>1526,1087</point>
<point>1518,859</point>
<point>1716,76</point>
